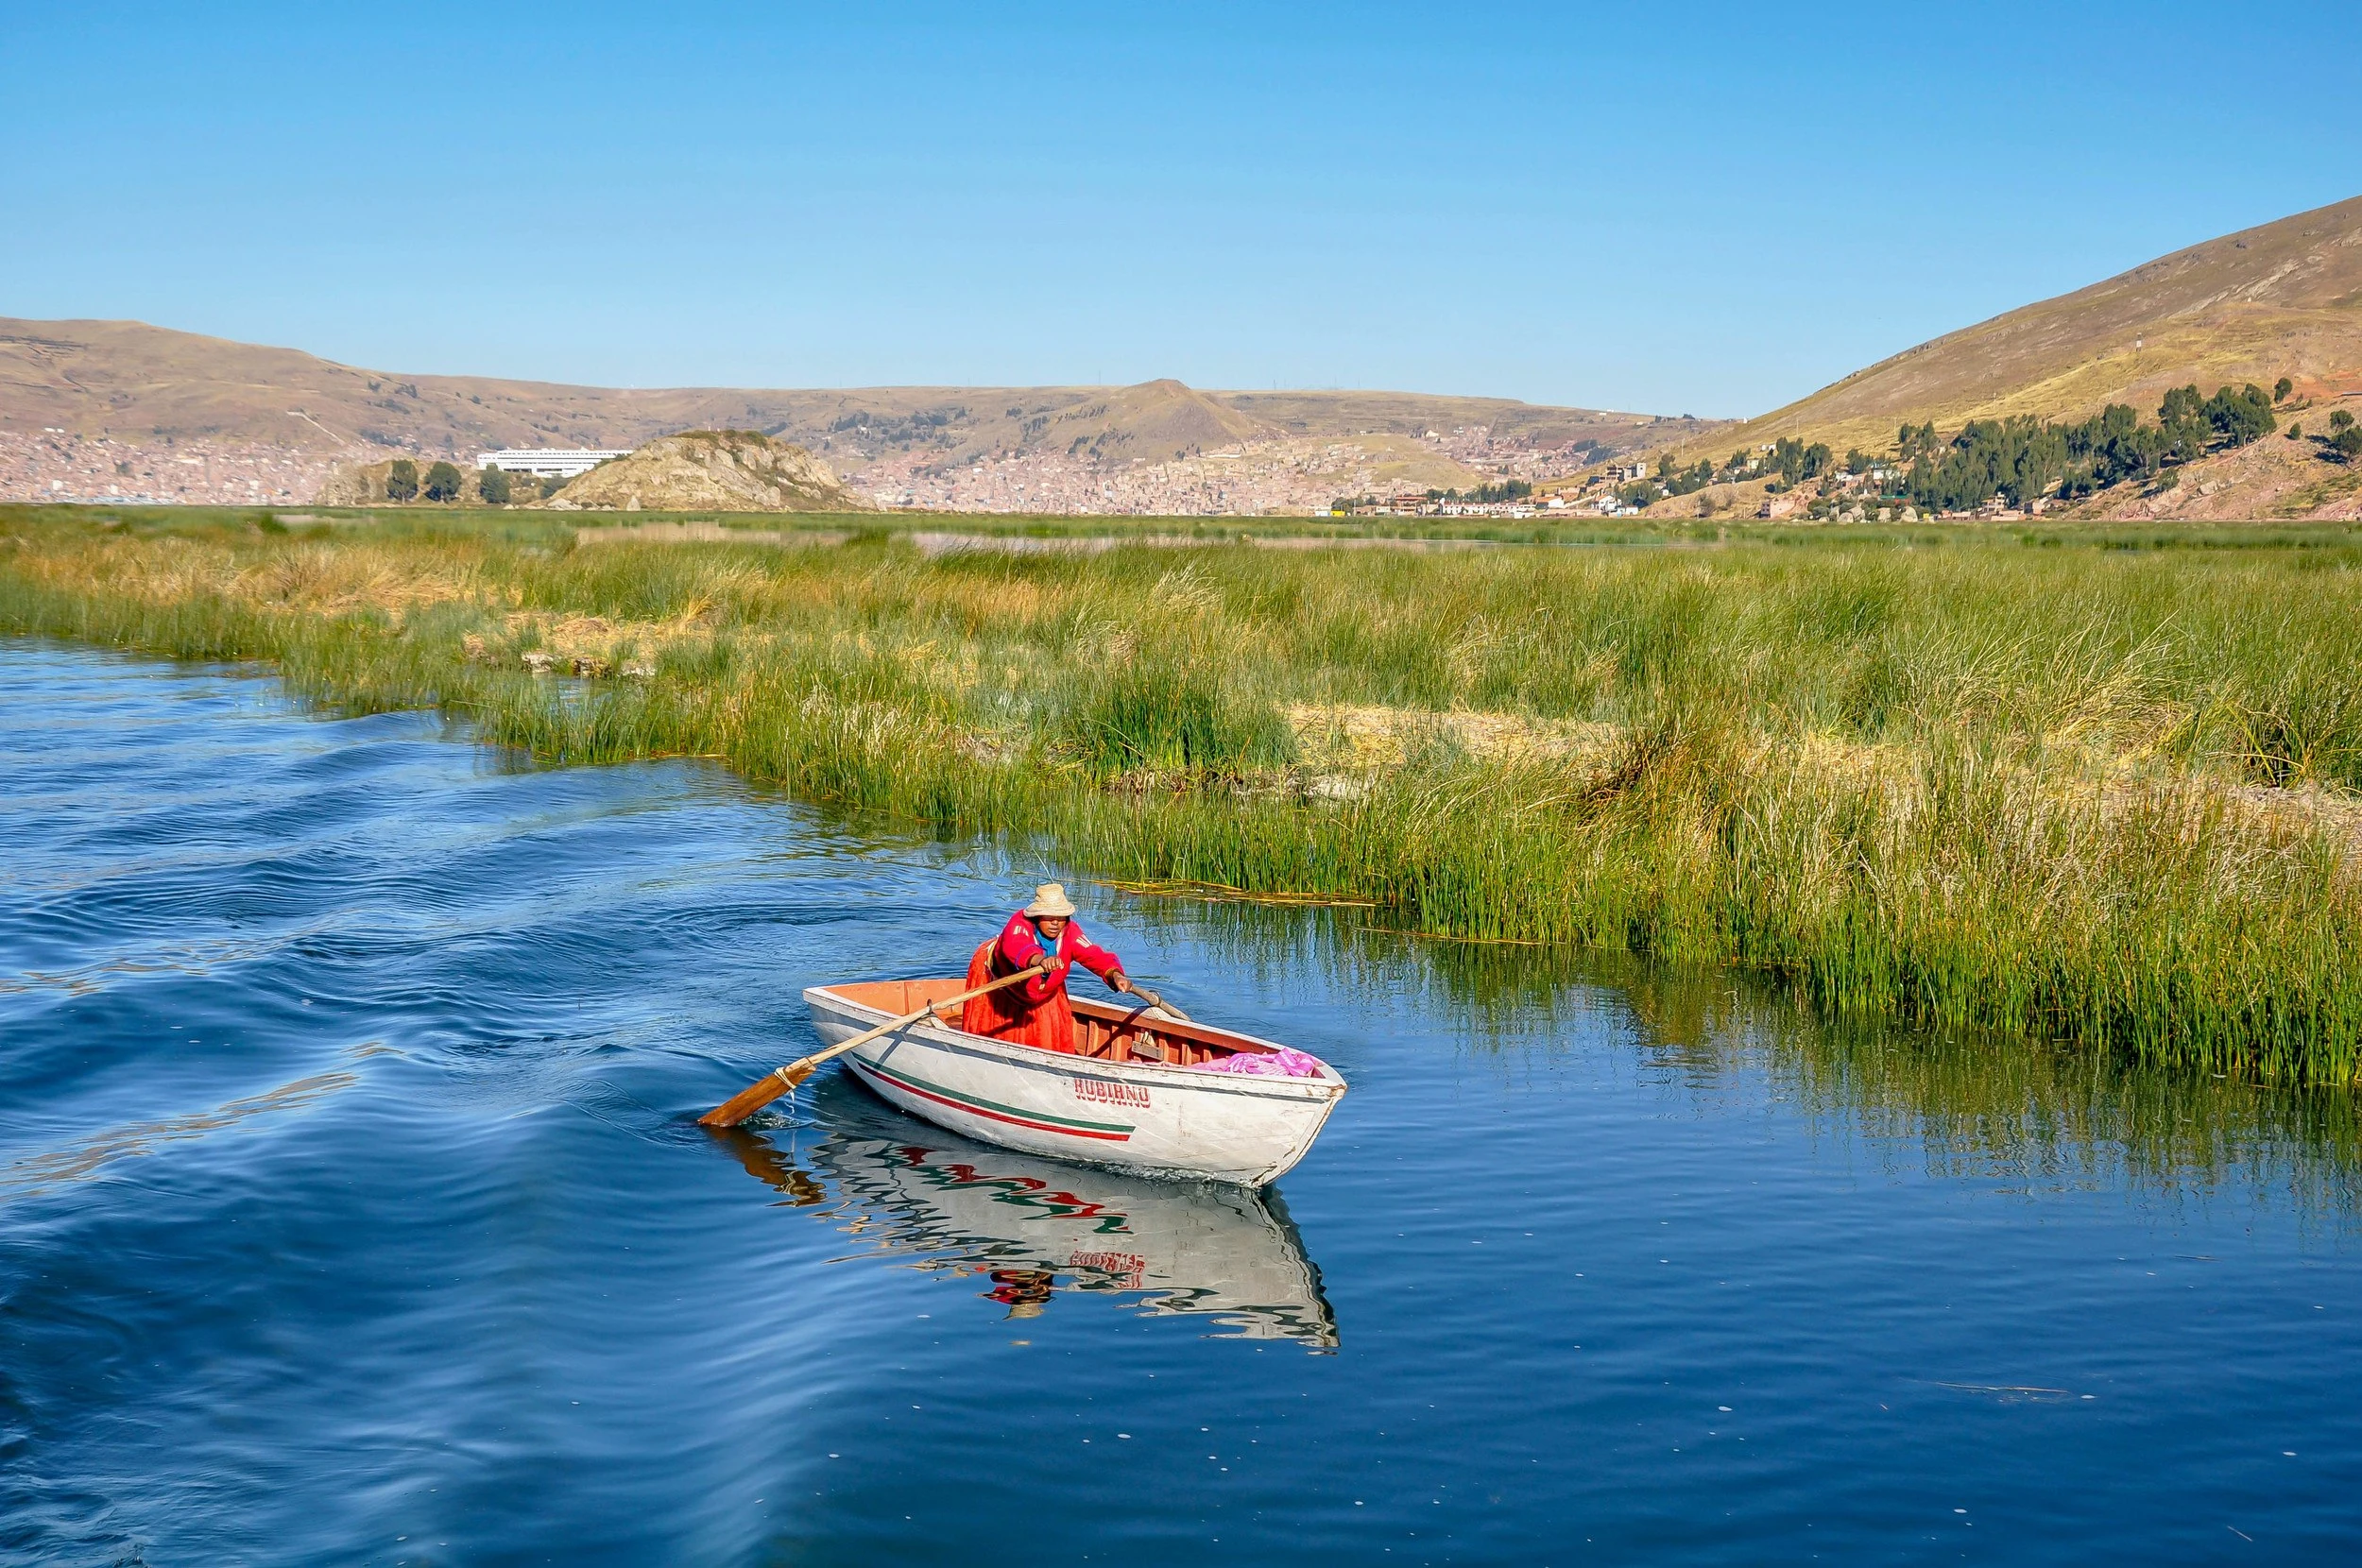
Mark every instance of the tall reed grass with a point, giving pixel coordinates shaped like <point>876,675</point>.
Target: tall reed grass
<point>2084,794</point>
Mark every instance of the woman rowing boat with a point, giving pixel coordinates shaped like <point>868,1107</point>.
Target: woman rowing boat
<point>1127,1083</point>
<point>1037,1012</point>
<point>1131,1084</point>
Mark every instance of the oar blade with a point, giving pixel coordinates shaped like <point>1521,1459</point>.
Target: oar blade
<point>753,1098</point>
<point>1161,1005</point>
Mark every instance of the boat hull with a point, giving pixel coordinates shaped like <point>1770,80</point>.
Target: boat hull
<point>1227,1127</point>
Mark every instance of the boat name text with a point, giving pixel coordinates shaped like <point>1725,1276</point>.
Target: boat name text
<point>1106,1093</point>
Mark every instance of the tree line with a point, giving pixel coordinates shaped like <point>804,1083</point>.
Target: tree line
<point>1486,495</point>
<point>2022,459</point>
<point>443,482</point>
<point>1792,461</point>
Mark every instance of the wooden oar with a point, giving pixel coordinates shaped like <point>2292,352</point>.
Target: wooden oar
<point>763,1090</point>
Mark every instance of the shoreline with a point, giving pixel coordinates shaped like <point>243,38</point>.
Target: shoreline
<point>1990,787</point>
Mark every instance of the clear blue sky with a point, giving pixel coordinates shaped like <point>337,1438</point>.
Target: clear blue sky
<point>1707,209</point>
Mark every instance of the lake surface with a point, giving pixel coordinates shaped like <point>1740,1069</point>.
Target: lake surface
<point>353,1211</point>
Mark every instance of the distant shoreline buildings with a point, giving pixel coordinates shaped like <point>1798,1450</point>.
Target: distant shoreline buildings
<point>561,462</point>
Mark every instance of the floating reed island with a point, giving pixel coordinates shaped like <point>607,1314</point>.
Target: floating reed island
<point>2089,786</point>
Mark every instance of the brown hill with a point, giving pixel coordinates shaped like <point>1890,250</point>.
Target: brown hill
<point>1155,420</point>
<point>719,471</point>
<point>133,382</point>
<point>1415,413</point>
<point>2284,300</point>
<point>130,380</point>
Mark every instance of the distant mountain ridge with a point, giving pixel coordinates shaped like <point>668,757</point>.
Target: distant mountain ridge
<point>2283,298</point>
<point>131,382</point>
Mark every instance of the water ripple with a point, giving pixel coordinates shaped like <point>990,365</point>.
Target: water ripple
<point>29,1175</point>
<point>352,1210</point>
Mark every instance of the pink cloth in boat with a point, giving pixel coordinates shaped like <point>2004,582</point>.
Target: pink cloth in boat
<point>1282,1062</point>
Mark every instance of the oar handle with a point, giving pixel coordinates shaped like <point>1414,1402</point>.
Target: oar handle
<point>867,1035</point>
<point>763,1090</point>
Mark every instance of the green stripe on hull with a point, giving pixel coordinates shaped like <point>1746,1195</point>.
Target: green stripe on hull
<point>980,1103</point>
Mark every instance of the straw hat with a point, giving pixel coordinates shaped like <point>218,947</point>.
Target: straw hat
<point>1049,899</point>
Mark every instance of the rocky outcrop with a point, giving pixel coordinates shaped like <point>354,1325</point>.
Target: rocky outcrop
<point>355,485</point>
<point>712,470</point>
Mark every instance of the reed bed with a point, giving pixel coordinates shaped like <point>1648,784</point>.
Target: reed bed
<point>1967,1103</point>
<point>2096,793</point>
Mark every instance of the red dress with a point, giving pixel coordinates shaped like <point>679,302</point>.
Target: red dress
<point>1035,1013</point>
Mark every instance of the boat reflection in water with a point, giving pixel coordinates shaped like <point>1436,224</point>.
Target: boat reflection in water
<point>1029,1230</point>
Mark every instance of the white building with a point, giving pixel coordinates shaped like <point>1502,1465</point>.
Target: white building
<point>564,462</point>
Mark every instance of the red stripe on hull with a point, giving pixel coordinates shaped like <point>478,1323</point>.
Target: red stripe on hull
<point>996,1116</point>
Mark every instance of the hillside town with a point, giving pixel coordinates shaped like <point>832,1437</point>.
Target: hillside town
<point>56,465</point>
<point>1290,475</point>
<point>1295,475</point>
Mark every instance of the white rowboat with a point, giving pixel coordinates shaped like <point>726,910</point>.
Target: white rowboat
<point>1131,1095</point>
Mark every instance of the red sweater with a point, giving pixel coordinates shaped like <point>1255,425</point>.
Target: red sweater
<point>1019,945</point>
<point>1037,1012</point>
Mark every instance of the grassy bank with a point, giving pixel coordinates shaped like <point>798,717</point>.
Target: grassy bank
<point>2077,785</point>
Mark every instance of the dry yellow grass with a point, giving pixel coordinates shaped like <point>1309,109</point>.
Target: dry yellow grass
<point>2077,792</point>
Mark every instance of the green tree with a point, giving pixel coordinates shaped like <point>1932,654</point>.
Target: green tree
<point>2183,417</point>
<point>2281,389</point>
<point>492,485</point>
<point>442,483</point>
<point>401,480</point>
<point>2341,421</point>
<point>2347,443</point>
<point>2240,416</point>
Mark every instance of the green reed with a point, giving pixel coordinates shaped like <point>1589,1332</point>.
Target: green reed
<point>2081,793</point>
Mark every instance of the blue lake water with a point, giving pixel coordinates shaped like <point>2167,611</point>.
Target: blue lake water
<point>353,1211</point>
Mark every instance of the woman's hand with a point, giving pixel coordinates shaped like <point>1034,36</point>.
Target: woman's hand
<point>1121,982</point>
